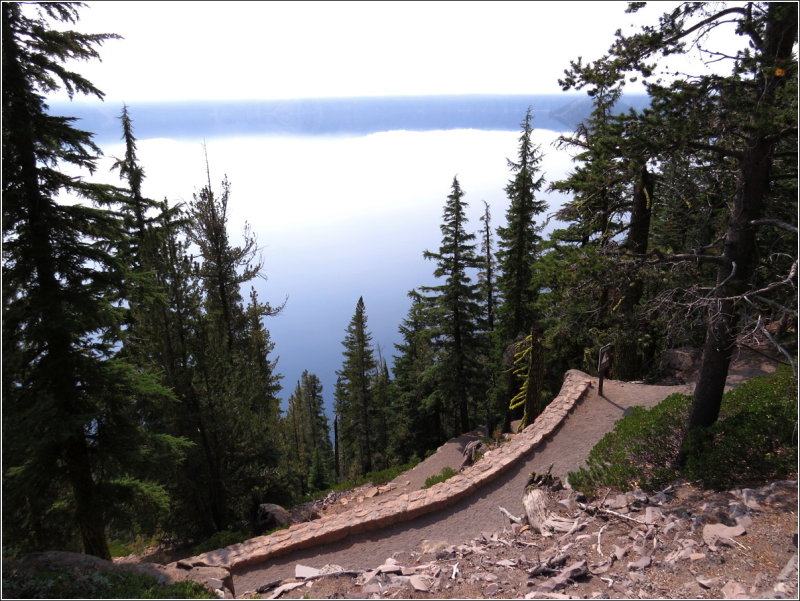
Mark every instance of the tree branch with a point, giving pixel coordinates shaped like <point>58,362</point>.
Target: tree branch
<point>716,149</point>
<point>776,222</point>
<point>705,22</point>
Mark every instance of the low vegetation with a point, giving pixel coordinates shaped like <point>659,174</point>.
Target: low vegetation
<point>73,582</point>
<point>445,474</point>
<point>754,440</point>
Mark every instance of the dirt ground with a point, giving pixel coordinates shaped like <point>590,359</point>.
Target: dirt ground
<point>479,514</point>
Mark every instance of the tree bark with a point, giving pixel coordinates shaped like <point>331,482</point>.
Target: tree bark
<point>740,257</point>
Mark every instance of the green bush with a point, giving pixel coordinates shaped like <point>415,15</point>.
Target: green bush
<point>74,583</point>
<point>753,440</point>
<point>220,539</point>
<point>447,472</point>
<point>376,478</point>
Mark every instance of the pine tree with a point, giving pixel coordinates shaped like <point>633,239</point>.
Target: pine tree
<point>456,312</point>
<point>417,419</point>
<point>518,248</point>
<point>354,398</point>
<point>310,463</point>
<point>235,382</point>
<point>737,122</point>
<point>77,446</point>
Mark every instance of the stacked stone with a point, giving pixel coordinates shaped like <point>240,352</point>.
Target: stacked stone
<point>392,509</point>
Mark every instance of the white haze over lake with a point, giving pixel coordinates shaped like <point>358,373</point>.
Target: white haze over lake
<point>340,217</point>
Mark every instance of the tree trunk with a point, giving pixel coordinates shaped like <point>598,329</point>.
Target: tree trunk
<point>88,512</point>
<point>740,253</point>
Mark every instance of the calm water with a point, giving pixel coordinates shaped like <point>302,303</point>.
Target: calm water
<point>344,195</point>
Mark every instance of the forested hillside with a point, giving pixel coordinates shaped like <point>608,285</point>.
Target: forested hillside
<point>141,385</point>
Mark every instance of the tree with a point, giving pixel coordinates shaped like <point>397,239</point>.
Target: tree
<point>518,248</point>
<point>456,311</point>
<point>417,420</point>
<point>76,442</point>
<point>311,452</point>
<point>354,397</point>
<point>737,120</point>
<point>233,388</point>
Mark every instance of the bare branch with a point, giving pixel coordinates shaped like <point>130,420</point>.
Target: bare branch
<point>776,223</point>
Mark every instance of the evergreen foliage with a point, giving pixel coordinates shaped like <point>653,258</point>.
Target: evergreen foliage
<point>518,249</point>
<point>355,409</point>
<point>729,128</point>
<point>79,452</point>
<point>455,313</point>
<point>308,454</point>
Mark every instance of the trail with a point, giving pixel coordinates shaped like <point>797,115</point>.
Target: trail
<point>566,450</point>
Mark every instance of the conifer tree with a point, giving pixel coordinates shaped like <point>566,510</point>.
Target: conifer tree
<point>518,240</point>
<point>235,382</point>
<point>354,398</point>
<point>518,248</point>
<point>736,121</point>
<point>456,313</point>
<point>76,446</point>
<point>417,420</point>
<point>309,436</point>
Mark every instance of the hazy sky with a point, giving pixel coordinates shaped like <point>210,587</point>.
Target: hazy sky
<point>260,50</point>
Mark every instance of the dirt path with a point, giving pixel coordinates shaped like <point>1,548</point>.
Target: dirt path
<point>567,450</point>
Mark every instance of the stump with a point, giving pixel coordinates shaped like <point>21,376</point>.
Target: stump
<point>537,501</point>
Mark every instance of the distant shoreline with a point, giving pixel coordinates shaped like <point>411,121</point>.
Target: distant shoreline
<point>334,116</point>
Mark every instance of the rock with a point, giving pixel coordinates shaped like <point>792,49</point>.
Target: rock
<point>619,552</point>
<point>433,546</point>
<point>618,502</point>
<point>697,556</point>
<point>713,533</point>
<point>639,496</point>
<point>371,493</point>
<point>372,589</point>
<point>706,582</point>
<point>301,571</point>
<point>270,516</point>
<point>733,590</point>
<point>492,589</point>
<point>214,583</point>
<point>641,563</point>
<point>390,568</point>
<point>419,583</point>
<point>653,515</point>
<point>507,563</point>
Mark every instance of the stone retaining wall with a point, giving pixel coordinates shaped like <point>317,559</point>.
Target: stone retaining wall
<point>403,507</point>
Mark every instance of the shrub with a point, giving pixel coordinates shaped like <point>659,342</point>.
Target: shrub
<point>71,582</point>
<point>220,539</point>
<point>753,440</point>
<point>447,472</point>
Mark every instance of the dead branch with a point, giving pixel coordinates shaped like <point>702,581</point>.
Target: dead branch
<point>521,521</point>
<point>776,222</point>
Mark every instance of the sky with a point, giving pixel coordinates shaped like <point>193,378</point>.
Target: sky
<point>260,50</point>
<point>341,217</point>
